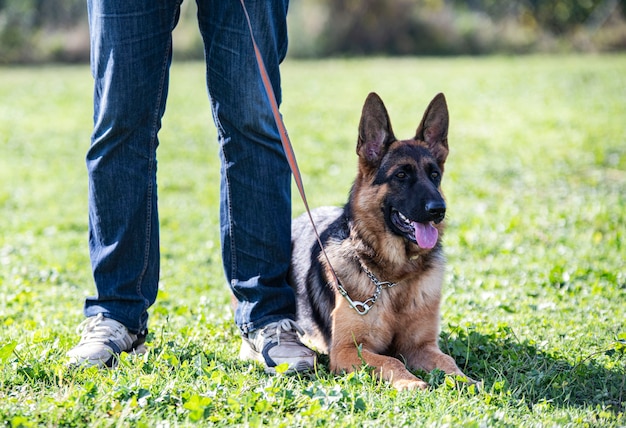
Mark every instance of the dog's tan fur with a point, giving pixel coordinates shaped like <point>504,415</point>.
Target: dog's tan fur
<point>406,316</point>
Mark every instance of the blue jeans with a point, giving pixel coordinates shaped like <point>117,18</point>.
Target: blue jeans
<point>131,52</point>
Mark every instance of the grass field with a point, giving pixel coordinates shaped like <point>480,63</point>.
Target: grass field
<point>535,292</point>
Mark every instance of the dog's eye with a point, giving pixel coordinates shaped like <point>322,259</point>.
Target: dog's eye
<point>401,175</point>
<point>435,175</point>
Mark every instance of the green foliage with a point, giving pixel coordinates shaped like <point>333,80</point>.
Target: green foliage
<point>557,16</point>
<point>536,283</point>
<point>437,27</point>
<point>36,31</point>
<point>17,20</point>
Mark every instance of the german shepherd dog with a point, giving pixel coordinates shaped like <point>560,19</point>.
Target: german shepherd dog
<point>385,248</point>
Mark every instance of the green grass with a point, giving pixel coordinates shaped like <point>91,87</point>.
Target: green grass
<point>536,285</point>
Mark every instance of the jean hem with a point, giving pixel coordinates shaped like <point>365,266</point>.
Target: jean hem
<point>261,323</point>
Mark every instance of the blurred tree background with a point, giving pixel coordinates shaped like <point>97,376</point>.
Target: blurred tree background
<point>56,30</point>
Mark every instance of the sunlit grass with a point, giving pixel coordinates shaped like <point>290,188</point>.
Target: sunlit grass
<point>536,283</point>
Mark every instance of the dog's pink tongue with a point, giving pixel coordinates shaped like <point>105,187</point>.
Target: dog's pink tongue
<point>425,234</point>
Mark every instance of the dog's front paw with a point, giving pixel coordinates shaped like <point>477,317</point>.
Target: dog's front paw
<point>409,384</point>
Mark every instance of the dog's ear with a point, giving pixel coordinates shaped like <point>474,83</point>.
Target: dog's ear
<point>375,133</point>
<point>434,128</point>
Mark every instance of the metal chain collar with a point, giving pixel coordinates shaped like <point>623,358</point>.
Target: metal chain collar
<point>363,308</point>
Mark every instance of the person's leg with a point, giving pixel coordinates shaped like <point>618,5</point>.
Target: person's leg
<point>130,59</point>
<point>255,190</point>
<point>255,208</point>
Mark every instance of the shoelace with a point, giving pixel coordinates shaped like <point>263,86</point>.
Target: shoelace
<point>287,327</point>
<point>98,328</point>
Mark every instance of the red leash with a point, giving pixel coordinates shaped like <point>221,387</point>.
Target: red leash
<point>291,157</point>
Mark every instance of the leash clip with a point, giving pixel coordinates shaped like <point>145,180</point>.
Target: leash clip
<point>361,307</point>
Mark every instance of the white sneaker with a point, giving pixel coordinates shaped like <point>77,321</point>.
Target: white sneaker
<point>102,341</point>
<point>278,343</point>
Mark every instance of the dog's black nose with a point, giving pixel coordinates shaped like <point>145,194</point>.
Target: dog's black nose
<point>436,210</point>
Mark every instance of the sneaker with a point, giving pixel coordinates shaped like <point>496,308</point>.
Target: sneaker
<point>102,341</point>
<point>278,343</point>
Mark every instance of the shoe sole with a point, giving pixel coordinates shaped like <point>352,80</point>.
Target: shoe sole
<point>247,353</point>
<point>112,362</point>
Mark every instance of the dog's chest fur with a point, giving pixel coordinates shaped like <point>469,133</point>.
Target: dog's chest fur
<point>396,310</point>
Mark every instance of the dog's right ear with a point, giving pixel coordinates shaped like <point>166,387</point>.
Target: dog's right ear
<point>375,133</point>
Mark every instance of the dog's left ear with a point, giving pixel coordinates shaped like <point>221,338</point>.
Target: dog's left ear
<point>434,128</point>
<point>375,133</point>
